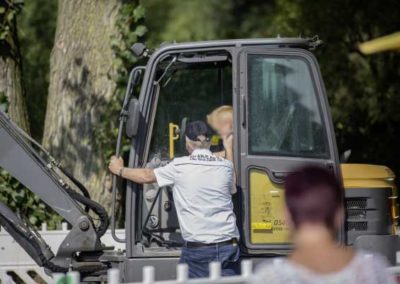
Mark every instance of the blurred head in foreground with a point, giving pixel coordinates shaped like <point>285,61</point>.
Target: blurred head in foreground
<point>314,197</point>
<point>315,212</point>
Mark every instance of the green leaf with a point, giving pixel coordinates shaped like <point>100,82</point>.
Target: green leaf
<point>2,10</point>
<point>3,106</point>
<point>139,13</point>
<point>10,16</point>
<point>33,219</point>
<point>140,30</point>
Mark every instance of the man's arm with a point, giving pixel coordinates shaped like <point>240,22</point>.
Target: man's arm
<point>116,166</point>
<point>139,175</point>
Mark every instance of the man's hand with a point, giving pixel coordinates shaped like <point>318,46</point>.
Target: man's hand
<point>116,164</point>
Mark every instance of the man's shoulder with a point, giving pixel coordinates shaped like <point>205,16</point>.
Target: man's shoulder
<point>180,161</point>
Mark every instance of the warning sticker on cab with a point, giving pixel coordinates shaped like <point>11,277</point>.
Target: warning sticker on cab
<point>261,226</point>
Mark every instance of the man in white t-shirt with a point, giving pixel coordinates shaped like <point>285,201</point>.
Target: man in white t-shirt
<point>202,187</point>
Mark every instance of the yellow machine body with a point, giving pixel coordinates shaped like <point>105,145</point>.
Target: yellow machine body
<point>267,215</point>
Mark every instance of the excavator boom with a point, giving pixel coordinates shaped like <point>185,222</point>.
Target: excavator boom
<point>23,162</point>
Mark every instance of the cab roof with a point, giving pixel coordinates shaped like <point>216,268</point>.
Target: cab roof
<point>305,43</point>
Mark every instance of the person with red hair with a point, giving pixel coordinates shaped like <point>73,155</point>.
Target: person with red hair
<point>315,212</point>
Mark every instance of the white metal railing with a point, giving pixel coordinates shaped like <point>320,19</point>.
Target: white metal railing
<point>14,260</point>
<point>148,275</point>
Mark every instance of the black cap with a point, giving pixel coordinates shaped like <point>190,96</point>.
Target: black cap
<point>197,128</point>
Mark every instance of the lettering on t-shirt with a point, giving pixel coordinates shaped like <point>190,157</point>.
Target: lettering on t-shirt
<point>206,158</point>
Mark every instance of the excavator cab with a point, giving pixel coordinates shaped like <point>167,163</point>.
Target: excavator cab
<point>281,120</point>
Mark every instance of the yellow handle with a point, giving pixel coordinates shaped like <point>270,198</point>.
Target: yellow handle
<point>173,131</point>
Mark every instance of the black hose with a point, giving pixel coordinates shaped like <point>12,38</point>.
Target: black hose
<point>86,200</point>
<point>78,184</point>
<point>97,208</point>
<point>51,265</point>
<point>81,187</point>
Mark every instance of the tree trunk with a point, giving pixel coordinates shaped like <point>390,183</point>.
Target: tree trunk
<point>81,88</point>
<point>12,96</point>
<point>11,88</point>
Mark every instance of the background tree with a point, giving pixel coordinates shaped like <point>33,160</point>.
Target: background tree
<point>12,96</point>
<point>89,57</point>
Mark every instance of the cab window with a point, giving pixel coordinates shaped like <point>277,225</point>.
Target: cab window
<point>284,115</point>
<point>188,92</point>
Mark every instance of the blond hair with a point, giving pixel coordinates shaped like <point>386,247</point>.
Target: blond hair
<point>220,114</point>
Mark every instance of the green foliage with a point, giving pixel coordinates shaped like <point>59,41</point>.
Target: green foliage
<point>8,12</point>
<point>186,20</point>
<point>25,203</point>
<point>3,102</point>
<point>131,30</point>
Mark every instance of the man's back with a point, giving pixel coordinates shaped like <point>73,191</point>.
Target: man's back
<point>202,186</point>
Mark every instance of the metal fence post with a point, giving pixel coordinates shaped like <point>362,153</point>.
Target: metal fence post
<point>148,275</point>
<point>182,272</point>
<point>113,276</point>
<point>215,270</point>
<point>58,278</point>
<point>247,268</point>
<point>73,277</point>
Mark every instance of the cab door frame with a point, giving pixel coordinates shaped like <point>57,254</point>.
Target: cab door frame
<point>276,167</point>
<point>139,148</point>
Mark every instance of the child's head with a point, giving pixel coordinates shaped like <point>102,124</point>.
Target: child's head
<point>221,120</point>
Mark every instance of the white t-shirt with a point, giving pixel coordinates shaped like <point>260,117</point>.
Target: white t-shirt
<point>363,269</point>
<point>202,186</point>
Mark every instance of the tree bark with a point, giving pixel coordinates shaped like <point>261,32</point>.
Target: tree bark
<point>11,88</point>
<point>81,87</point>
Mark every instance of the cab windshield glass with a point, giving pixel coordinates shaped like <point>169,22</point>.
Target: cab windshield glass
<point>285,118</point>
<point>189,89</point>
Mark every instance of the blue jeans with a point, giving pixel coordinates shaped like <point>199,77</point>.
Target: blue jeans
<point>198,259</point>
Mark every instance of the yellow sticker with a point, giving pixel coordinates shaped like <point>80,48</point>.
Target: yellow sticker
<point>261,226</point>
